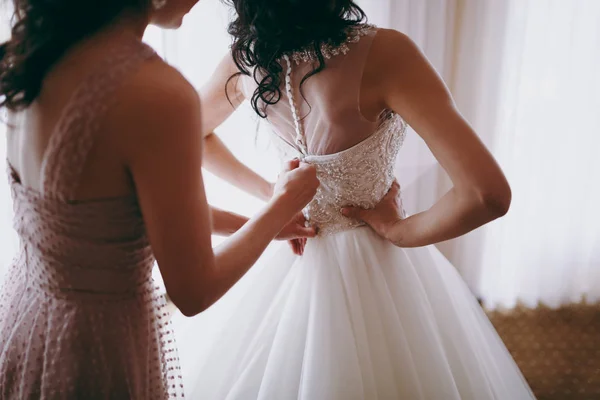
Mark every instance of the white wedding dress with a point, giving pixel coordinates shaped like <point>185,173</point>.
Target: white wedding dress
<point>355,317</point>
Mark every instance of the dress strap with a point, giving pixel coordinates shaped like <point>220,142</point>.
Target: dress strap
<point>70,144</point>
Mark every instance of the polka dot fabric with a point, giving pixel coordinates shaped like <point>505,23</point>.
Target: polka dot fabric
<point>80,317</point>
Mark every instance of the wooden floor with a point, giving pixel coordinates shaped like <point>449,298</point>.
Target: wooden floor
<point>557,350</point>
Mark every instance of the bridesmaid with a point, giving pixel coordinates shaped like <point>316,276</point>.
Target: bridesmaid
<point>106,177</point>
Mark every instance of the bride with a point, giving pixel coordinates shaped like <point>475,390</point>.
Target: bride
<point>366,312</point>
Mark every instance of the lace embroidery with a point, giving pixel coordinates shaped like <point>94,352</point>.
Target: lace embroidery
<point>359,176</point>
<point>329,50</point>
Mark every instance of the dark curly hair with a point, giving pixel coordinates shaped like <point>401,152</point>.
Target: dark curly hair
<point>42,31</point>
<point>264,30</point>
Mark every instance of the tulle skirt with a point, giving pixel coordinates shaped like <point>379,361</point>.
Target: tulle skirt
<point>354,318</point>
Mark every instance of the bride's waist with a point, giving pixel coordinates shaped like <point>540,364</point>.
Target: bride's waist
<point>324,211</point>
<point>328,219</point>
<point>334,227</point>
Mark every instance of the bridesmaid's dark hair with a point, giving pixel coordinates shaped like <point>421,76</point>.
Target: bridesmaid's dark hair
<point>264,30</point>
<point>42,31</point>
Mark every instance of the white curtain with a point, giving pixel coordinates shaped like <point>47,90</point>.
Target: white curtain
<point>547,137</point>
<point>523,72</point>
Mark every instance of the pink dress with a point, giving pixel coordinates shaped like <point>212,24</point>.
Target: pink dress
<point>80,317</point>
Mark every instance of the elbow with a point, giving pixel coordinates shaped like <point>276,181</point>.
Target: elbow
<point>496,202</point>
<point>188,311</point>
<point>193,294</point>
<point>191,310</point>
<point>190,306</point>
<point>209,136</point>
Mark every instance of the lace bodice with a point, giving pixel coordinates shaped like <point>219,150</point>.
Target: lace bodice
<point>359,176</point>
<point>321,122</point>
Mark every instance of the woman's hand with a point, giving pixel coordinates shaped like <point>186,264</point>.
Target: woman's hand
<point>386,215</point>
<point>296,185</point>
<point>296,233</point>
<point>295,188</point>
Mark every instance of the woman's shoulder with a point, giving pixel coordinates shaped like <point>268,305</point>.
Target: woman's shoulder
<point>394,52</point>
<point>152,104</point>
<point>157,82</point>
<point>155,88</point>
<point>391,39</point>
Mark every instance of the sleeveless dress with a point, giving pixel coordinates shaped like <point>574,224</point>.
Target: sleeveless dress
<point>80,317</point>
<point>355,317</point>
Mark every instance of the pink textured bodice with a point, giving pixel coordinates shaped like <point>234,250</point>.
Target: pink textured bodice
<point>80,317</point>
<point>95,248</point>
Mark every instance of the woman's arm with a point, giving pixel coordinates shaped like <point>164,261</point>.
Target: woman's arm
<point>411,87</point>
<point>226,223</point>
<point>223,164</point>
<point>166,171</point>
<point>220,97</point>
